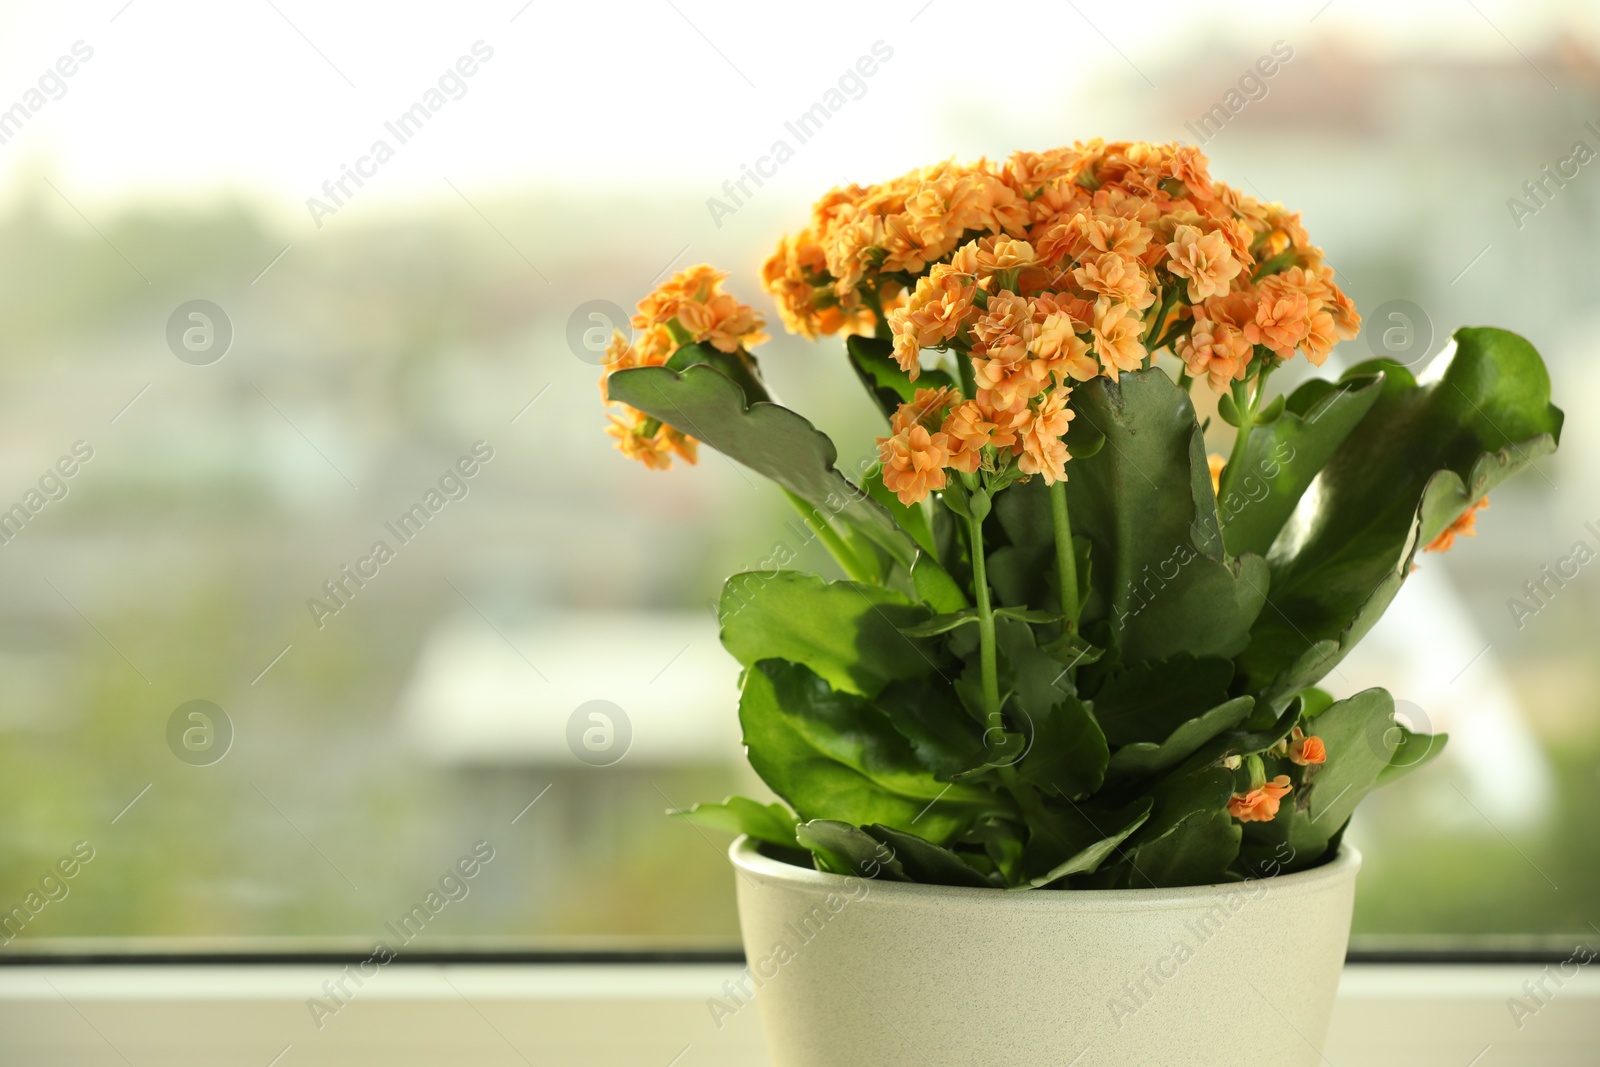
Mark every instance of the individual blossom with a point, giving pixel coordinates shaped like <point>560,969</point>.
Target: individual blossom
<point>1282,318</point>
<point>926,407</point>
<point>932,316</point>
<point>1260,805</point>
<point>1056,342</point>
<point>914,462</point>
<point>1464,526</point>
<point>1204,259</point>
<point>1306,750</point>
<point>1216,346</point>
<point>967,431</point>
<point>1116,278</point>
<point>1117,333</point>
<point>1043,450</point>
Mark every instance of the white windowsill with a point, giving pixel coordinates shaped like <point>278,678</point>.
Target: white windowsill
<point>489,1014</point>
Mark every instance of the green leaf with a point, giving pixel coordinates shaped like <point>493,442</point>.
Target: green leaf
<point>1198,854</point>
<point>1062,843</point>
<point>888,385</point>
<point>1150,700</point>
<point>739,367</point>
<point>927,863</point>
<point>1147,758</point>
<point>1413,751</point>
<point>1146,505</point>
<point>928,713</point>
<point>1282,458</point>
<point>1067,754</point>
<point>941,624</point>
<point>741,815</point>
<point>771,440</point>
<point>1416,461</point>
<point>832,755</point>
<point>840,848</point>
<point>1228,410</point>
<point>1180,797</point>
<point>847,632</point>
<point>935,587</point>
<point>1064,750</point>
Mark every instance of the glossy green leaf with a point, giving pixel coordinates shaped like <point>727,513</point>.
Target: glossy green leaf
<point>832,755</point>
<point>1421,455</point>
<point>927,863</point>
<point>1199,853</point>
<point>1282,458</point>
<point>1149,758</point>
<point>847,632</point>
<point>771,440</point>
<point>1078,839</point>
<point>935,587</point>
<point>1148,701</point>
<point>1145,503</point>
<point>741,815</point>
<point>840,848</point>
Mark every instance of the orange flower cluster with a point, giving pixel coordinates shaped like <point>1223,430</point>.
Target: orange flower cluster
<point>1051,268</point>
<point>686,308</point>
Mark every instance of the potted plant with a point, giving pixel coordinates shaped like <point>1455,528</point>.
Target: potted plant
<point>1054,770</point>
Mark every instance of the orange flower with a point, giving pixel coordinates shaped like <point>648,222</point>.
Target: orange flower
<point>1117,332</point>
<point>1215,345</point>
<point>967,431</point>
<point>926,408</point>
<point>1282,319</point>
<point>1043,450</point>
<point>1116,278</point>
<point>1464,526</point>
<point>1260,805</point>
<point>1307,751</point>
<point>932,316</point>
<point>913,463</point>
<point>1203,258</point>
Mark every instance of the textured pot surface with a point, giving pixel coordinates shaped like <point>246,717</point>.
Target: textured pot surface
<point>849,972</point>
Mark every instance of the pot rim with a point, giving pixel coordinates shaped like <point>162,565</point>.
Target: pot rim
<point>750,862</point>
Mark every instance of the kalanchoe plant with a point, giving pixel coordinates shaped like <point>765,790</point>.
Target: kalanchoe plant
<point>1073,651</point>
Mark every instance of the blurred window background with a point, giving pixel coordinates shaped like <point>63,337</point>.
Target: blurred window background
<point>281,283</point>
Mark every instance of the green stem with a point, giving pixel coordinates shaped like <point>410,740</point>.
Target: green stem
<point>1066,556</point>
<point>1246,401</point>
<point>830,538</point>
<point>986,648</point>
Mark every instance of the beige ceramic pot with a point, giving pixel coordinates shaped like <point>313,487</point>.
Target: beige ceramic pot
<point>850,972</point>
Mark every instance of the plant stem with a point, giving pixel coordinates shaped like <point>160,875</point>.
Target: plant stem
<point>1066,556</point>
<point>830,538</point>
<point>986,649</point>
<point>1246,401</point>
